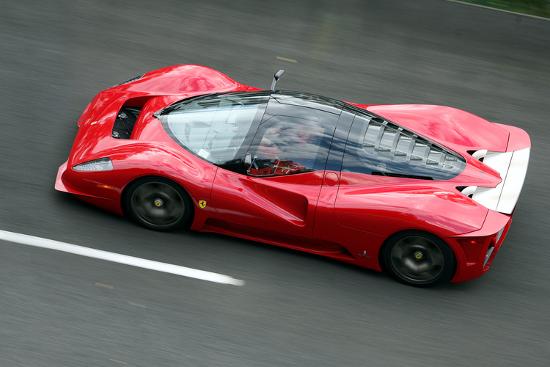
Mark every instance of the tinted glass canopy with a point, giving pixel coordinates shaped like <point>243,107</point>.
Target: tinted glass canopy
<point>214,127</point>
<point>292,138</point>
<point>281,133</point>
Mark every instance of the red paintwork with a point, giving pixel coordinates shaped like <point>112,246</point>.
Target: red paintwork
<point>428,120</point>
<point>342,215</point>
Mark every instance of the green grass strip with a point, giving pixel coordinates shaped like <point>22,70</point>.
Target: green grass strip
<point>539,8</point>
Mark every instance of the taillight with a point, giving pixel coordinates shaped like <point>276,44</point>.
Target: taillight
<point>475,241</point>
<point>473,245</point>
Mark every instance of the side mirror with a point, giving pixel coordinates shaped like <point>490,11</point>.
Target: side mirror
<point>276,78</point>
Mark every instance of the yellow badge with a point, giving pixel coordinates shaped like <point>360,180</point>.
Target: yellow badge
<point>202,204</point>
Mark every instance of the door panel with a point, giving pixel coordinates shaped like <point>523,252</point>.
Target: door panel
<point>275,198</point>
<point>279,209</point>
<point>326,228</point>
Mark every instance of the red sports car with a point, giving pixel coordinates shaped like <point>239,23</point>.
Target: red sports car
<point>425,192</point>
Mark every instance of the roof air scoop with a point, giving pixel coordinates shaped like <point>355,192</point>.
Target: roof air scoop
<point>276,78</point>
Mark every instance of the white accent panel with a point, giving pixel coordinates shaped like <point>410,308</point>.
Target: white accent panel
<point>512,167</point>
<point>470,190</point>
<point>500,162</point>
<point>514,181</point>
<point>479,154</point>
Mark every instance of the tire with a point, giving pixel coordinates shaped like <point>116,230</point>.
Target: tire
<point>418,259</point>
<point>159,204</point>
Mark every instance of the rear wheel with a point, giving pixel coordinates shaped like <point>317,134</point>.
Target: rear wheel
<point>419,259</point>
<point>158,204</point>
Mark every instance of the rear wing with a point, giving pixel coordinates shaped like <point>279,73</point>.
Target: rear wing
<point>512,167</point>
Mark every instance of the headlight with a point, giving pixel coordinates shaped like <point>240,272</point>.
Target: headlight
<point>102,164</point>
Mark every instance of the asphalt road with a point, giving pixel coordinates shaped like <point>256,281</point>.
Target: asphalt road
<point>59,309</point>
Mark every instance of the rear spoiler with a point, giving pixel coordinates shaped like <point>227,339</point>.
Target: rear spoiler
<point>512,167</point>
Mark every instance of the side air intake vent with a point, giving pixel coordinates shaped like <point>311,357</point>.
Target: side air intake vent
<point>125,121</point>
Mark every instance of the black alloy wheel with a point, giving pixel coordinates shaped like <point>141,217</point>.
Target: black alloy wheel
<point>419,259</point>
<point>158,204</point>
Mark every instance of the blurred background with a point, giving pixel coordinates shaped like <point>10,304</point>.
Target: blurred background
<point>295,310</point>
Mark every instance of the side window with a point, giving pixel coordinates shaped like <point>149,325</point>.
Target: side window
<point>378,147</point>
<point>215,127</point>
<point>287,145</point>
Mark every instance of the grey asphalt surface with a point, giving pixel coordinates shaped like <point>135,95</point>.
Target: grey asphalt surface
<point>58,309</point>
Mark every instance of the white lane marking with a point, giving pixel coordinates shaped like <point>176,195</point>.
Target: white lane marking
<point>117,361</point>
<point>103,285</point>
<point>497,9</point>
<point>136,304</point>
<point>286,59</point>
<point>24,239</point>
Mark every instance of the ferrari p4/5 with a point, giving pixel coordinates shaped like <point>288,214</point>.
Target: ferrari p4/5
<point>424,192</point>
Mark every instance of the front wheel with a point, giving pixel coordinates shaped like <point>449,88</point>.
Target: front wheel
<point>158,204</point>
<point>419,259</point>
